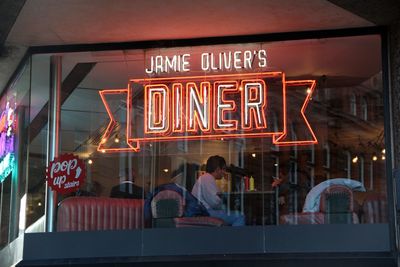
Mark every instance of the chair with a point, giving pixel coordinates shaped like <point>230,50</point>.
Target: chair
<point>165,206</point>
<point>335,206</point>
<point>168,209</point>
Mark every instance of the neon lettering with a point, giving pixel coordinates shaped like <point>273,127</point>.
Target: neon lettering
<point>185,62</point>
<point>7,132</point>
<point>247,59</point>
<point>234,60</point>
<point>164,64</point>
<point>262,57</point>
<point>227,60</point>
<point>223,106</point>
<point>177,107</point>
<point>198,109</point>
<point>220,106</point>
<point>205,61</point>
<point>253,104</point>
<point>156,108</point>
<point>237,62</point>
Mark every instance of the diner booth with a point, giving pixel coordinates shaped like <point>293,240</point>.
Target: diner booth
<point>103,144</point>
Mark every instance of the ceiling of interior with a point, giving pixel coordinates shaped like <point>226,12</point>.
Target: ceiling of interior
<point>48,22</point>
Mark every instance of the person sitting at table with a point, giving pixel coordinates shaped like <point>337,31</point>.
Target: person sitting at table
<point>206,191</point>
<point>127,187</point>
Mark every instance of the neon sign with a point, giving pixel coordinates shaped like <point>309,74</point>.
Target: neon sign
<point>227,60</point>
<point>208,107</point>
<point>7,126</point>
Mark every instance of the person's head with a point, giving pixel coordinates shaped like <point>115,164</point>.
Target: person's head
<point>216,166</point>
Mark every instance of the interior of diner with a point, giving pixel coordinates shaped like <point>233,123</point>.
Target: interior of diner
<point>345,112</point>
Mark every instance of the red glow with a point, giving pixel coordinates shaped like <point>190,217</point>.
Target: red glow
<point>202,96</point>
<point>111,125</point>
<point>160,117</point>
<point>279,140</point>
<point>253,96</point>
<point>231,87</point>
<point>175,95</point>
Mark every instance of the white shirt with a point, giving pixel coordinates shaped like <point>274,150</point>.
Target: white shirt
<point>205,190</point>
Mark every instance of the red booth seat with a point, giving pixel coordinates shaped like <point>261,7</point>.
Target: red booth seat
<point>99,213</point>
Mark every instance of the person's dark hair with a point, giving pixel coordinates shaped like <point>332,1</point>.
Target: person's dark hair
<point>214,162</point>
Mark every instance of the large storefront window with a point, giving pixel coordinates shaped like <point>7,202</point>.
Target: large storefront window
<point>289,119</point>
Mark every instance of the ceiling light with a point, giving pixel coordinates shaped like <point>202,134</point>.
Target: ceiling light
<point>374,158</point>
<point>253,155</point>
<point>383,157</point>
<point>116,140</point>
<point>308,90</point>
<point>383,151</point>
<point>165,170</point>
<point>355,159</point>
<point>90,161</point>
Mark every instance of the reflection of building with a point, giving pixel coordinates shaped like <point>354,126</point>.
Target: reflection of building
<point>347,114</point>
<point>340,152</point>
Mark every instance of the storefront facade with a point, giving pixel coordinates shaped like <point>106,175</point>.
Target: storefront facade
<point>303,108</point>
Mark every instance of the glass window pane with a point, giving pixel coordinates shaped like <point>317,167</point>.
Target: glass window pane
<point>288,118</point>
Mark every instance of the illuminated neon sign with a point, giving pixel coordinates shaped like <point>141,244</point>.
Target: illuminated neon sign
<point>208,107</point>
<point>223,61</point>
<point>7,132</point>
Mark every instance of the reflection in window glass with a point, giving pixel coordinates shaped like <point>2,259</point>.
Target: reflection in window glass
<point>14,115</point>
<point>353,104</point>
<point>347,164</point>
<point>145,124</point>
<point>5,211</point>
<point>364,109</point>
<point>361,169</point>
<point>40,80</point>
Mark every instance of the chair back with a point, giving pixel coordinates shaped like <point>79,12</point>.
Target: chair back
<point>337,204</point>
<point>167,204</point>
<point>170,209</point>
